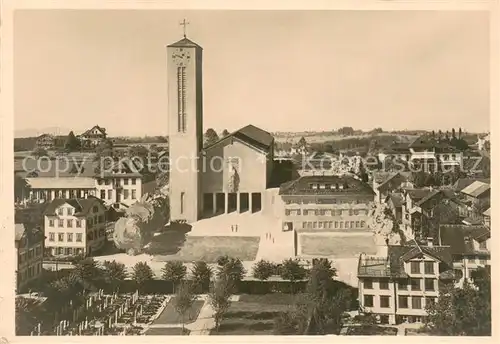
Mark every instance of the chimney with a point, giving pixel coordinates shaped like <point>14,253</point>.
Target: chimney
<point>430,242</point>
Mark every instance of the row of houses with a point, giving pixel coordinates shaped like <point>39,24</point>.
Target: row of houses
<point>448,238</point>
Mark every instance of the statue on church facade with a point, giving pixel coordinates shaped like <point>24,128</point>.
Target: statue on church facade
<point>234,178</point>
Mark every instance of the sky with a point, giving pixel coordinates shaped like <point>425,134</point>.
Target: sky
<point>278,70</point>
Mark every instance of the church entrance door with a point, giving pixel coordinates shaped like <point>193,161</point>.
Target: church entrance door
<point>232,202</point>
<point>220,203</point>
<point>256,202</point>
<point>244,202</point>
<point>208,204</point>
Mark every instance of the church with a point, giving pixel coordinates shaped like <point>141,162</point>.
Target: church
<point>230,175</point>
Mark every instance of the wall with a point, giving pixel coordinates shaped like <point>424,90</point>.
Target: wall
<point>348,209</point>
<point>252,167</point>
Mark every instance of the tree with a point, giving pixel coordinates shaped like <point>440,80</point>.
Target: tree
<point>233,269</point>
<point>219,298</point>
<point>210,137</point>
<point>72,143</point>
<point>462,311</point>
<point>40,153</point>
<point>88,273</point>
<point>114,274</point>
<point>104,156</point>
<point>225,133</point>
<point>326,301</point>
<point>183,301</point>
<point>319,310</point>
<point>418,178</point>
<point>292,271</point>
<point>174,271</point>
<point>201,274</point>
<point>21,188</point>
<point>263,269</point>
<point>302,142</point>
<point>453,134</point>
<point>141,274</point>
<point>26,311</point>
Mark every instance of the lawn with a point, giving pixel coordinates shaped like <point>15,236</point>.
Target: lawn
<point>169,242</point>
<point>170,315</point>
<point>254,314</point>
<point>168,331</point>
<point>336,246</point>
<point>210,248</point>
<point>371,330</point>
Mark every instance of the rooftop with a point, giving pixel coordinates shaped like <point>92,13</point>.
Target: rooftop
<point>185,43</point>
<point>476,189</point>
<point>251,134</point>
<point>325,185</point>
<point>82,206</point>
<point>61,183</point>
<point>397,255</point>
<point>462,183</point>
<point>456,236</point>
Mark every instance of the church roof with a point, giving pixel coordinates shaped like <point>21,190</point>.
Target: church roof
<point>185,43</point>
<point>252,135</point>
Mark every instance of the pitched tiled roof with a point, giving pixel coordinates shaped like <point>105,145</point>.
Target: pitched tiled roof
<point>455,236</point>
<point>302,186</point>
<point>252,135</point>
<point>476,189</point>
<point>61,183</point>
<point>417,194</point>
<point>102,130</point>
<point>19,227</point>
<point>397,255</point>
<point>397,199</point>
<point>185,42</point>
<point>462,183</point>
<point>82,205</point>
<point>428,197</point>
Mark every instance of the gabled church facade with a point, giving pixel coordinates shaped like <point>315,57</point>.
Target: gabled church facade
<point>230,175</point>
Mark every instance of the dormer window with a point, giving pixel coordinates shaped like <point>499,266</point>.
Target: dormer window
<point>322,186</point>
<point>341,186</point>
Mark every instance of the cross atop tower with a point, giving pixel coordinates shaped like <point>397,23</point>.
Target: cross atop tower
<point>184,25</point>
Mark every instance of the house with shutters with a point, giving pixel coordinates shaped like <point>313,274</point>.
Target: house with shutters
<point>74,226</point>
<point>397,287</point>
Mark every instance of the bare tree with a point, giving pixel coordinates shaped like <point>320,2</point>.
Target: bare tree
<point>183,301</point>
<point>219,298</point>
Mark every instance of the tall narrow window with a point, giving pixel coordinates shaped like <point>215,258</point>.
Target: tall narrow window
<point>182,202</point>
<point>181,99</point>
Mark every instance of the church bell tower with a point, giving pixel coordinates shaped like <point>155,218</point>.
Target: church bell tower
<point>185,127</point>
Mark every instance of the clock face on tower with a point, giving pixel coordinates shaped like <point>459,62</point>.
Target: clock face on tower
<point>181,57</point>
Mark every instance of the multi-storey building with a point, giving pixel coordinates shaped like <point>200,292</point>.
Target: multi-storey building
<point>121,185</point>
<point>29,248</point>
<point>74,226</point>
<point>469,245</point>
<point>326,203</point>
<point>397,287</point>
